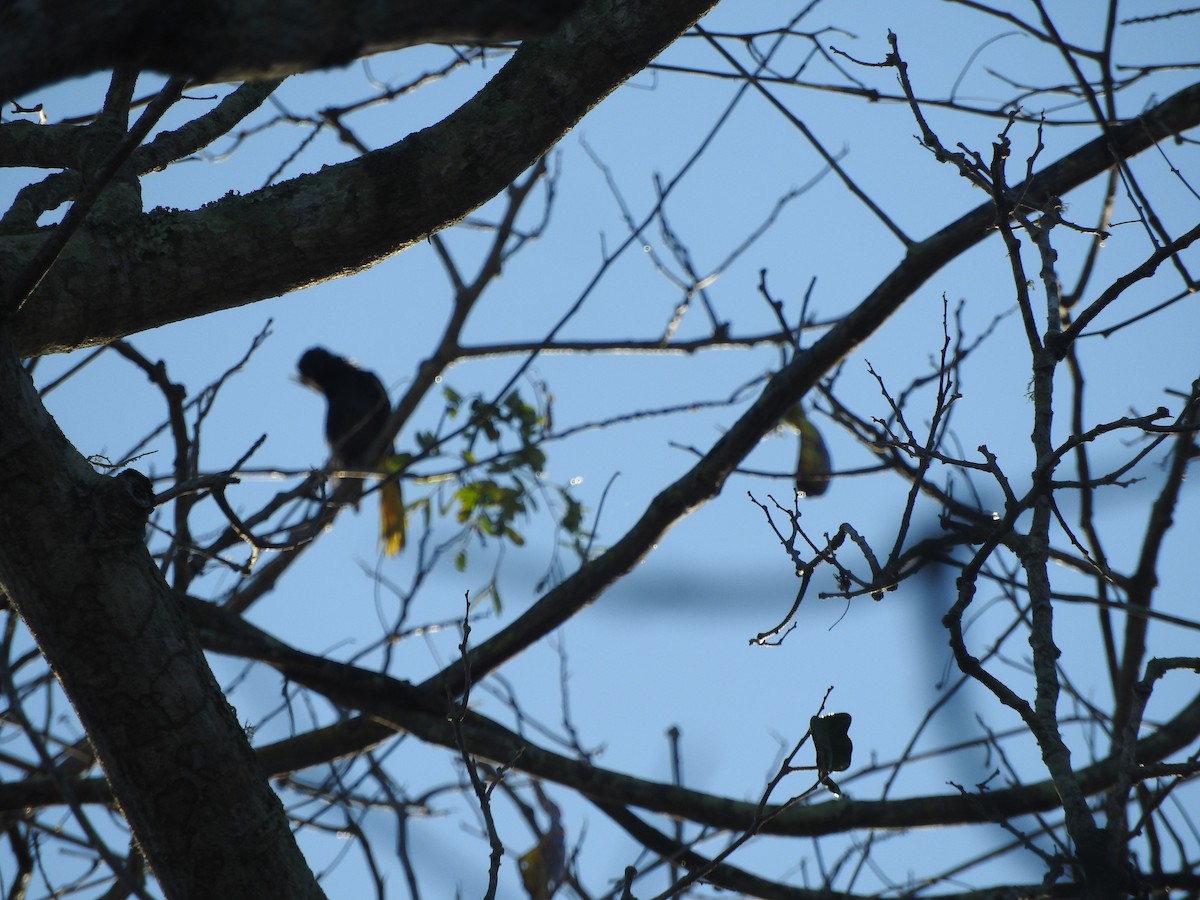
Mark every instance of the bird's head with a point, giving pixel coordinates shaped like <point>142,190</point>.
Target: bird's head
<point>318,368</point>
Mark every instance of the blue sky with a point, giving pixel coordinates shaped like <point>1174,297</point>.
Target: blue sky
<point>669,644</point>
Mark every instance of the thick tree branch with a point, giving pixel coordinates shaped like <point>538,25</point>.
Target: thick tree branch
<point>44,43</point>
<point>396,705</point>
<point>391,706</point>
<point>109,283</point>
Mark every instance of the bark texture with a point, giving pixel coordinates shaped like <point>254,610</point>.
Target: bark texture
<point>165,266</point>
<point>235,40</point>
<point>73,562</point>
<point>72,556</point>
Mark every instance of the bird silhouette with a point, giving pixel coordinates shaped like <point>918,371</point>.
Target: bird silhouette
<point>358,411</point>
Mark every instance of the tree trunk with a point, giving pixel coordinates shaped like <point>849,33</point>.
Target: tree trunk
<point>74,564</point>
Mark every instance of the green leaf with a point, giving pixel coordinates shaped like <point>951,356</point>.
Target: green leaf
<point>572,517</point>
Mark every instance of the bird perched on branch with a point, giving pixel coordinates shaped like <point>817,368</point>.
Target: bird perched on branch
<point>358,411</point>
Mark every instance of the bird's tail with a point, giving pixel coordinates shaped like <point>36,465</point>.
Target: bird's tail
<point>391,517</point>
